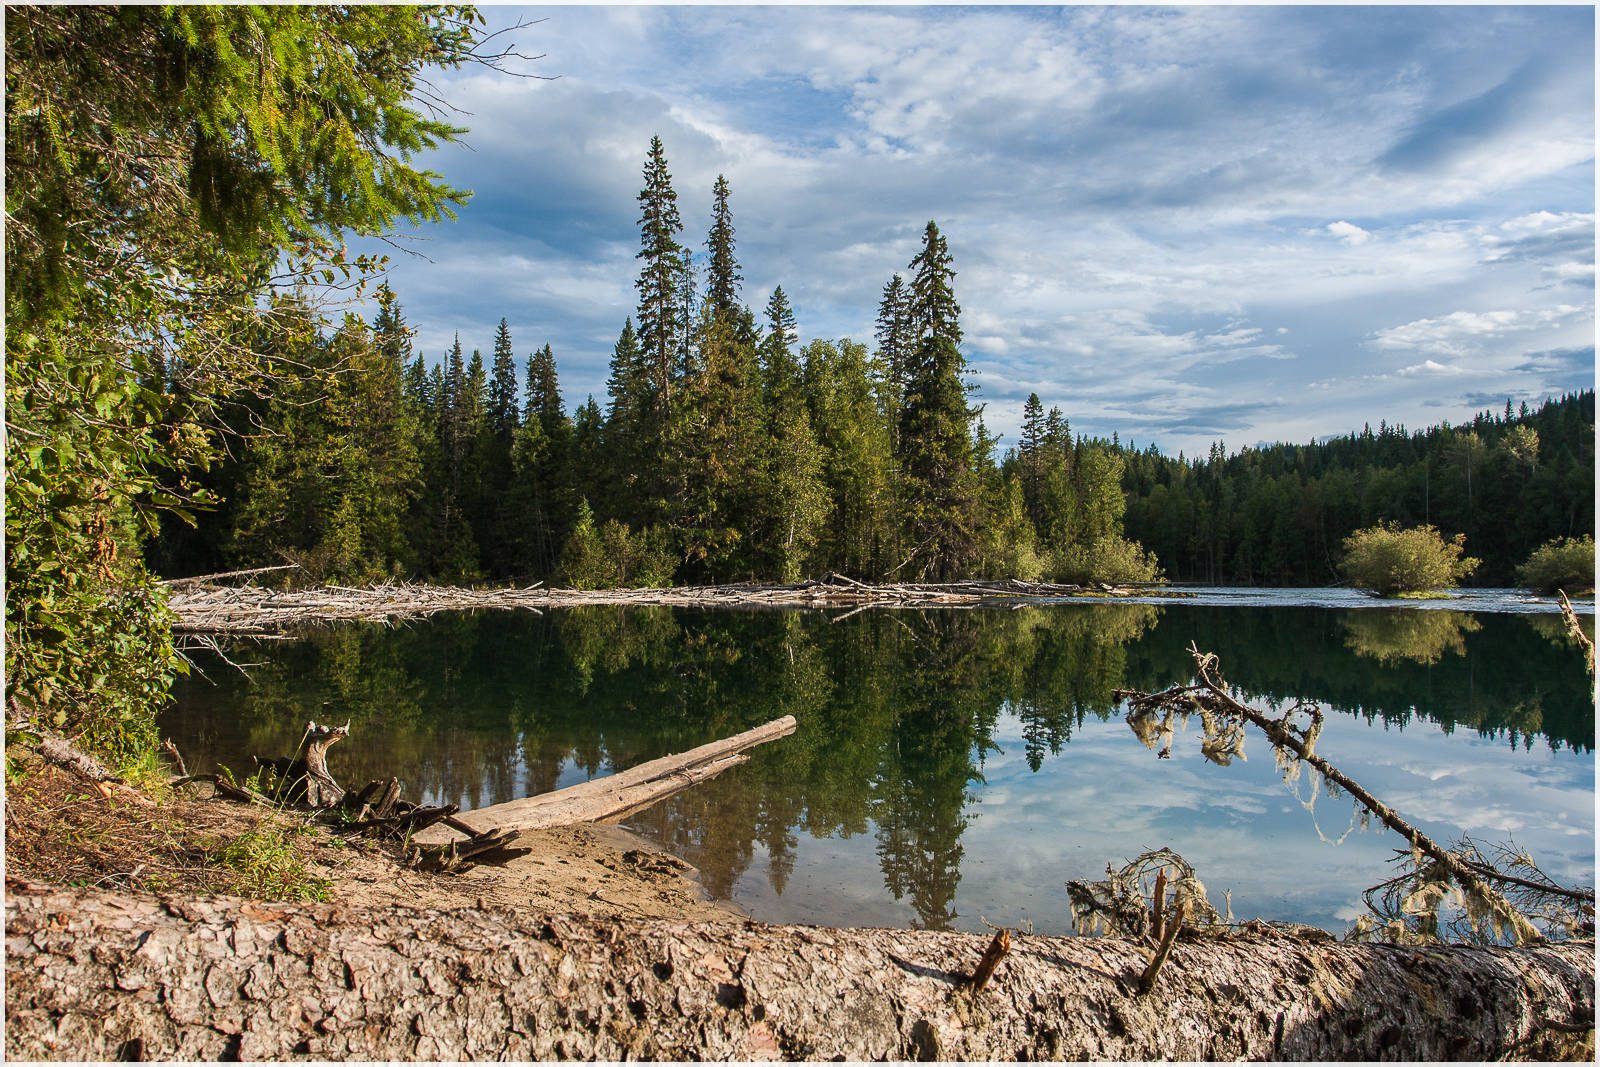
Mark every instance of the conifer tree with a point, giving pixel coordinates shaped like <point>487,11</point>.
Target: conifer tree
<point>939,487</point>
<point>544,391</point>
<point>780,370</point>
<point>1030,455</point>
<point>546,471</point>
<point>494,513</point>
<point>661,277</point>
<point>722,272</point>
<point>503,384</point>
<point>714,454</point>
<point>626,442</point>
<point>857,536</point>
<point>895,337</point>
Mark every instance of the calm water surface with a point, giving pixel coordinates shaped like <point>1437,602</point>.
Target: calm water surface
<point>952,767</point>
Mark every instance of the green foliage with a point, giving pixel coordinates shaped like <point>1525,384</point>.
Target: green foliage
<point>614,557</point>
<point>161,162</point>
<point>1393,635</point>
<point>1276,514</point>
<point>1388,560</point>
<point>725,452</point>
<point>1111,559</point>
<point>267,865</point>
<point>1566,563</point>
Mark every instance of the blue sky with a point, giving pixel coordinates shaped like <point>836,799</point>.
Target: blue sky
<point>1182,224</point>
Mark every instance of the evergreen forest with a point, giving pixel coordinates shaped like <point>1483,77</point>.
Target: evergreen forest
<point>728,450</point>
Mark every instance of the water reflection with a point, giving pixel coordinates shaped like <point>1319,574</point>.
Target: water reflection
<point>1390,634</point>
<point>901,714</point>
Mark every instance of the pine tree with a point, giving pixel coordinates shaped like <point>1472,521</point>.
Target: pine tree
<point>713,457</point>
<point>546,470</point>
<point>858,534</point>
<point>780,370</point>
<point>544,392</point>
<point>660,282</point>
<point>495,516</point>
<point>627,445</point>
<point>894,334</point>
<point>1030,455</point>
<point>722,274</point>
<point>503,384</point>
<point>939,486</point>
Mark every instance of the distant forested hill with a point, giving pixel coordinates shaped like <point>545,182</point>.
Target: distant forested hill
<point>1277,515</point>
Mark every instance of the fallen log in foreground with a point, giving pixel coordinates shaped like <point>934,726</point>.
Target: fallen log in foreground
<point>95,975</point>
<point>616,796</point>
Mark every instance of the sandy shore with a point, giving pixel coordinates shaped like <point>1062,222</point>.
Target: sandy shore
<point>592,869</point>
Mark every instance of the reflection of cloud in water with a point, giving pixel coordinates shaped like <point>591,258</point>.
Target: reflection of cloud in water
<point>1106,798</point>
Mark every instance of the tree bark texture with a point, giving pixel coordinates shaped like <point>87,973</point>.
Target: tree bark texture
<point>97,975</point>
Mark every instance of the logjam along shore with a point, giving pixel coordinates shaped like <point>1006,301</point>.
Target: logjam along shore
<point>203,605</point>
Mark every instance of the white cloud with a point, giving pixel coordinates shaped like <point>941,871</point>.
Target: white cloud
<point>1461,332</point>
<point>1136,199</point>
<point>1349,232</point>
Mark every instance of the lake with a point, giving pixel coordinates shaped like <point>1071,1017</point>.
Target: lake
<point>955,767</point>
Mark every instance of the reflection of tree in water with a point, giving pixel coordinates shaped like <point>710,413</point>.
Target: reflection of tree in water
<point>1390,634</point>
<point>1066,662</point>
<point>1553,628</point>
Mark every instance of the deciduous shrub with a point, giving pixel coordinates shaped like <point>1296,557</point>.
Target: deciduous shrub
<point>1114,560</point>
<point>1389,561</point>
<point>1566,563</point>
<point>614,556</point>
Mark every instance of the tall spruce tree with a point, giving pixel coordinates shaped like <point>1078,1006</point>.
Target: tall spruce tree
<point>503,384</point>
<point>547,470</point>
<point>938,484</point>
<point>894,334</point>
<point>627,443</point>
<point>722,270</point>
<point>780,369</point>
<point>661,278</point>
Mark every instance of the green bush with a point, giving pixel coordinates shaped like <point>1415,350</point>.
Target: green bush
<point>1566,563</point>
<point>1389,561</point>
<point>614,556</point>
<point>1113,560</point>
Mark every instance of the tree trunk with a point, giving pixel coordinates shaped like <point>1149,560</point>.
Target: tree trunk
<point>96,975</point>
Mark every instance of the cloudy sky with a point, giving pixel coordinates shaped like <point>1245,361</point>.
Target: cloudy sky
<point>1181,224</point>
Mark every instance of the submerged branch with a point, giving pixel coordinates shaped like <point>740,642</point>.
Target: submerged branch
<point>1212,695</point>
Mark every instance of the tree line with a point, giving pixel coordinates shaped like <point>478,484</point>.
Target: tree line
<point>1278,515</point>
<point>726,450</point>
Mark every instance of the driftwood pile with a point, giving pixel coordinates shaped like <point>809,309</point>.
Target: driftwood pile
<point>204,605</point>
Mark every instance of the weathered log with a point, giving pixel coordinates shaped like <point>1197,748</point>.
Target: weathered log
<point>618,795</point>
<point>98,975</point>
<point>69,757</point>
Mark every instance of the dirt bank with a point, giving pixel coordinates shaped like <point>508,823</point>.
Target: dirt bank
<point>59,831</point>
<point>598,870</point>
